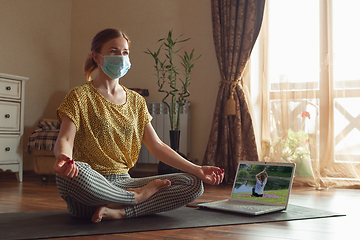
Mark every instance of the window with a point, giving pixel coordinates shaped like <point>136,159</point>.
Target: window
<point>307,54</point>
<point>346,76</point>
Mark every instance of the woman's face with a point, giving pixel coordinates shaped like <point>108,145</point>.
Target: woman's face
<point>116,46</point>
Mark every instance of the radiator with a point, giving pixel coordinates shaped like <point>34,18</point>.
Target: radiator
<point>161,124</point>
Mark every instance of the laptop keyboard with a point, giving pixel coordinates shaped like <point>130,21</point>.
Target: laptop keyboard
<point>248,206</point>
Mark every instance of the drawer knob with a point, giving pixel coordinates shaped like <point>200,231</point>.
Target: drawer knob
<point>7,115</point>
<point>7,149</point>
<point>8,88</point>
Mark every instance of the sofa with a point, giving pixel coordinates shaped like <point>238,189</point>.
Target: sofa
<point>40,146</point>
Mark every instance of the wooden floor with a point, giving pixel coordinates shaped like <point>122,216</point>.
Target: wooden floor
<point>33,195</point>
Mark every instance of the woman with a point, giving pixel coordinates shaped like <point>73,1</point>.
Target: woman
<point>258,190</point>
<point>107,123</point>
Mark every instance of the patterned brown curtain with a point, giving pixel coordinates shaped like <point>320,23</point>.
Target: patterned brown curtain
<point>236,25</point>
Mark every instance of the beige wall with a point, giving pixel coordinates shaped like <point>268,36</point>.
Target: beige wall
<point>48,40</point>
<point>35,43</point>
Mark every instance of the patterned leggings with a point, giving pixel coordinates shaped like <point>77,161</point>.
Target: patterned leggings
<point>84,193</point>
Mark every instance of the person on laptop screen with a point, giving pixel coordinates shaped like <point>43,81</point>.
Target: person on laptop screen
<point>258,189</point>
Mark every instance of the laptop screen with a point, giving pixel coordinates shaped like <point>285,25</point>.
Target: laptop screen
<point>263,182</point>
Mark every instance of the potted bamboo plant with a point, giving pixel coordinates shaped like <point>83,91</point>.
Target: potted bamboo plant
<point>173,82</point>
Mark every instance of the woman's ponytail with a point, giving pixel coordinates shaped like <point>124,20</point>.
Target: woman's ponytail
<point>89,67</point>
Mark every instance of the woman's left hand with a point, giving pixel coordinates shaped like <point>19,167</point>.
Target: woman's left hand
<point>211,175</point>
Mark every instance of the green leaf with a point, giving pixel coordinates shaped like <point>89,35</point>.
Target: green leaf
<point>170,41</point>
<point>197,57</point>
<point>184,40</point>
<point>186,56</point>
<point>191,54</point>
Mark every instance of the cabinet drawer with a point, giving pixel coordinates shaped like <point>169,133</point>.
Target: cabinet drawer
<point>9,149</point>
<point>9,116</point>
<point>10,89</point>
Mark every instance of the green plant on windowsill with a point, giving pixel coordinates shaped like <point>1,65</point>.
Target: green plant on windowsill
<point>294,147</point>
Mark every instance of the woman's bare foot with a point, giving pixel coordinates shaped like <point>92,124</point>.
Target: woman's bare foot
<point>144,193</point>
<point>108,212</point>
<point>116,211</point>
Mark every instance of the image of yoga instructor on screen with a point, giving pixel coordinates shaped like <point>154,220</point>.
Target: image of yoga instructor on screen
<point>262,183</point>
<point>258,190</point>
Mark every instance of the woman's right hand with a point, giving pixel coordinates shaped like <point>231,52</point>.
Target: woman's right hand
<point>65,166</point>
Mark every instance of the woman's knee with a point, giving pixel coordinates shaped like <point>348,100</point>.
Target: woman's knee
<point>195,186</point>
<point>200,189</point>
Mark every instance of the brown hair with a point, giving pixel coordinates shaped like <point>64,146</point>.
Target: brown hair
<point>98,41</point>
<point>262,178</point>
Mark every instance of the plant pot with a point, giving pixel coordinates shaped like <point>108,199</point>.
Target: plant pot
<point>174,144</point>
<point>175,139</point>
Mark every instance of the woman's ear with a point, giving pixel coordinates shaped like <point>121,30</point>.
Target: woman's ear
<point>95,57</point>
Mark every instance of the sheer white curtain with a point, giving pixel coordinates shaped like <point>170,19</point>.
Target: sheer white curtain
<point>306,64</point>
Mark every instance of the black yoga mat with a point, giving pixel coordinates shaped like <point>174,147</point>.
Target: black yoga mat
<point>50,224</point>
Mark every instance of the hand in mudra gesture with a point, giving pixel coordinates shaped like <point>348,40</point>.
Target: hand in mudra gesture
<point>65,166</point>
<point>211,175</point>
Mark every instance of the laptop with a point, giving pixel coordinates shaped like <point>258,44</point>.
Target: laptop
<point>270,195</point>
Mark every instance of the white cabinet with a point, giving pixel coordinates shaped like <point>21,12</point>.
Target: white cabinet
<point>12,97</point>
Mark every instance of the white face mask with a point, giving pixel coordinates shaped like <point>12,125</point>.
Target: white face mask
<point>115,66</point>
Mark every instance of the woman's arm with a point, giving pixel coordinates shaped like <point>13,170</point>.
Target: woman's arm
<point>256,176</point>
<point>63,150</point>
<point>266,175</point>
<point>209,174</point>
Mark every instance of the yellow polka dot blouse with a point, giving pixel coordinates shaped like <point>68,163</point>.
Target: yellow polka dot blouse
<point>108,136</point>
